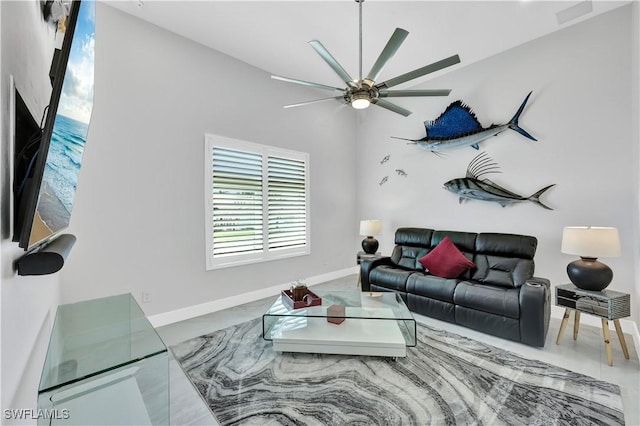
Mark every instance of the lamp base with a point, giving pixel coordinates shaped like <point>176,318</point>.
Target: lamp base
<point>370,245</point>
<point>589,274</point>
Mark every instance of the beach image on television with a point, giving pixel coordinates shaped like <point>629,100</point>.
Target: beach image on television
<point>71,125</point>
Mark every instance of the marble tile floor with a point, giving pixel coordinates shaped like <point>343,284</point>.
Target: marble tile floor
<point>586,355</point>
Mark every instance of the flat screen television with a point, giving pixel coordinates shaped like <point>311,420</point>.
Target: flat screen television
<point>48,158</point>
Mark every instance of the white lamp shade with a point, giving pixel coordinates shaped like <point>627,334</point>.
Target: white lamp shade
<point>369,228</point>
<point>591,241</point>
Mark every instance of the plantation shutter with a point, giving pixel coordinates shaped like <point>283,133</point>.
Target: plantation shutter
<point>256,202</point>
<point>237,202</point>
<point>287,218</point>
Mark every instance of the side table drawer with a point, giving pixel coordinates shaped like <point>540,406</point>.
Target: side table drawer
<point>611,305</point>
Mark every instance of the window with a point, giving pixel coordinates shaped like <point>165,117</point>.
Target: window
<point>257,202</point>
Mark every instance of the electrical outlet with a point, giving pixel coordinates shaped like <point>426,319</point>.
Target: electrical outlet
<point>146,297</point>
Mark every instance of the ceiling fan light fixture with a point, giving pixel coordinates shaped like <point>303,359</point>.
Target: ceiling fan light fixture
<point>360,103</point>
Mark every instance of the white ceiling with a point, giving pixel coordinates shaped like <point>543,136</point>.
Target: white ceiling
<point>273,35</point>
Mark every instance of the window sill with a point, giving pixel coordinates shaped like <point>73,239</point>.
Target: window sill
<point>233,261</point>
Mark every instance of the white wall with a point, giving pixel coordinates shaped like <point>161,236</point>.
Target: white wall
<point>635,117</point>
<point>139,211</point>
<point>28,303</point>
<point>581,114</point>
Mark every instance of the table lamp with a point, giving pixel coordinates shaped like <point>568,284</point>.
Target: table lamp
<point>369,228</point>
<point>590,242</point>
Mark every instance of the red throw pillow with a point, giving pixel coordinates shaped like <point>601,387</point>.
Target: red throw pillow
<point>446,261</point>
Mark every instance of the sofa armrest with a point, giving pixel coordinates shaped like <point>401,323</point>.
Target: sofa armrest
<point>537,281</point>
<point>535,311</point>
<point>366,266</point>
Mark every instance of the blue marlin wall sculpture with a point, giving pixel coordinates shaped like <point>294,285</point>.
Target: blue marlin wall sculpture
<point>458,126</point>
<point>473,187</point>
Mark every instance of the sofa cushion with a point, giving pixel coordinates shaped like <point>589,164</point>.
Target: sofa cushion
<point>417,237</point>
<point>487,298</point>
<point>504,259</point>
<point>509,272</point>
<point>465,241</point>
<point>390,277</point>
<point>506,245</point>
<point>431,286</point>
<point>446,261</point>
<point>408,257</point>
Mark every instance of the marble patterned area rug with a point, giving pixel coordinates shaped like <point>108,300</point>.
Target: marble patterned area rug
<point>446,379</point>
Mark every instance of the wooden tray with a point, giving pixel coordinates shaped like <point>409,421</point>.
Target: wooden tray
<point>287,297</point>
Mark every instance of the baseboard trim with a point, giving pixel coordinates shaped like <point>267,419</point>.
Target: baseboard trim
<point>182,314</point>
<point>628,326</point>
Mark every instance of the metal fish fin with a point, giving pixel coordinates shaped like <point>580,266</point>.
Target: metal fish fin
<point>480,165</point>
<point>460,200</point>
<point>457,120</point>
<point>475,146</point>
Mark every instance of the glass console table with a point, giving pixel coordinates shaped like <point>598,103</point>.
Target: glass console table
<point>105,365</point>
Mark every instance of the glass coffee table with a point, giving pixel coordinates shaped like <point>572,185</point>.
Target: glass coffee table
<point>371,323</point>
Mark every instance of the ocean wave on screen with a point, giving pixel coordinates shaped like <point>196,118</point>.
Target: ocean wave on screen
<point>64,159</point>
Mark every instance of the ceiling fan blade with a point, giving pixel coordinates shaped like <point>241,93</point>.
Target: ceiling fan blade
<point>344,75</point>
<point>307,83</point>
<point>389,50</point>
<point>436,66</point>
<point>391,107</point>
<point>315,101</point>
<point>407,93</point>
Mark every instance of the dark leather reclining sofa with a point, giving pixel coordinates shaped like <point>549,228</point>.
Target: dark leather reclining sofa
<point>499,296</point>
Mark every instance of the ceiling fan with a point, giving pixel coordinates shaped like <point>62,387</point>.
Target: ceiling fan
<point>365,91</point>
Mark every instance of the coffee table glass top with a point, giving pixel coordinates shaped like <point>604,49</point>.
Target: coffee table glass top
<point>370,306</point>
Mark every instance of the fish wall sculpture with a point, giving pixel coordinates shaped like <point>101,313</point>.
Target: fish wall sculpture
<point>458,126</point>
<point>473,187</point>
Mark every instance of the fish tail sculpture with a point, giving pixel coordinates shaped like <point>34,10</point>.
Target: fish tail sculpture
<point>513,123</point>
<point>536,197</point>
<point>458,126</point>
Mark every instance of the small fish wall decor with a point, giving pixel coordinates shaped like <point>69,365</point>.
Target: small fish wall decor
<point>458,126</point>
<point>399,172</point>
<point>474,187</point>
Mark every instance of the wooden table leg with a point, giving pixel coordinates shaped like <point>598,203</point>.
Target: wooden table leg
<point>623,343</point>
<point>607,341</point>
<point>563,325</point>
<point>576,324</point>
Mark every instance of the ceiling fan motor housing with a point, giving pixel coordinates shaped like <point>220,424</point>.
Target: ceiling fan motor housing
<point>363,92</point>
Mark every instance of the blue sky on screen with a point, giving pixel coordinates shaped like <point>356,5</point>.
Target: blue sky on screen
<point>77,93</point>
